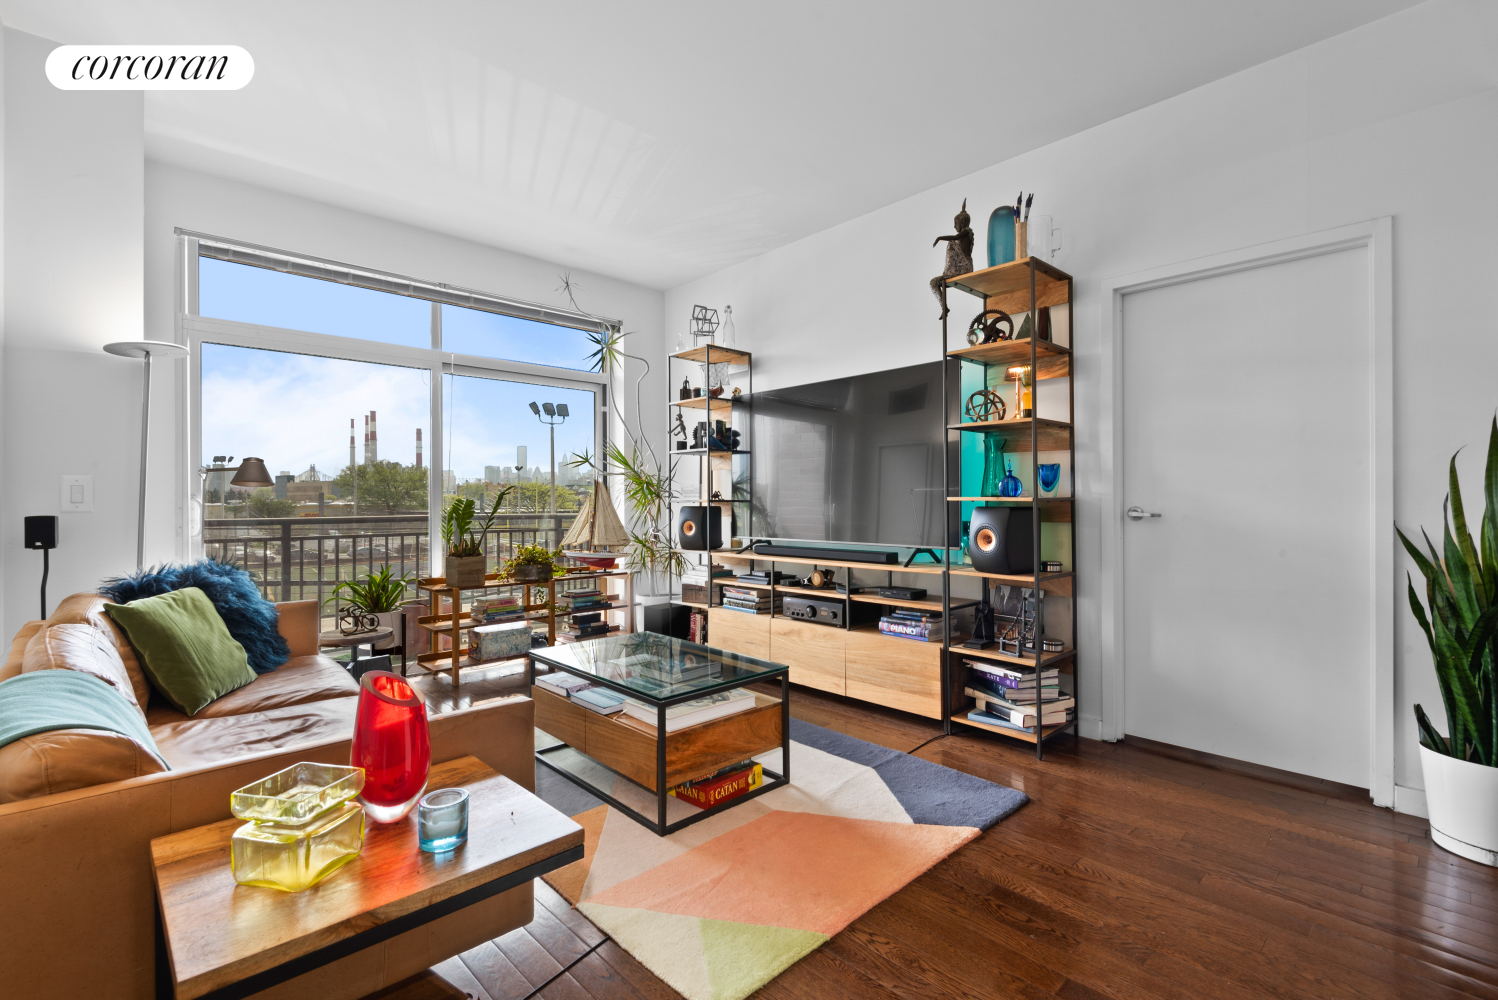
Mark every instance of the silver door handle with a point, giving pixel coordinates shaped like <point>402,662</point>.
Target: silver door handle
<point>1139,513</point>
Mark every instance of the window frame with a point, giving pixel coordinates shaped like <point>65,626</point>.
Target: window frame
<point>194,330</point>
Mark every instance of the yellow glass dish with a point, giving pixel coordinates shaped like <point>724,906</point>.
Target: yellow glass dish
<point>303,826</point>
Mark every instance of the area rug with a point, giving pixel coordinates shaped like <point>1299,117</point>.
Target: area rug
<point>724,906</point>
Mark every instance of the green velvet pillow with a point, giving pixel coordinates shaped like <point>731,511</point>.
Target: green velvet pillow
<point>185,647</point>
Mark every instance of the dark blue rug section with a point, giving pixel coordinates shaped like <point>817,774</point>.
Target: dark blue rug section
<point>930,793</point>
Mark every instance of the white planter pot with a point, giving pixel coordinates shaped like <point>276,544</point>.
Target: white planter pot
<point>1462,798</point>
<point>390,620</point>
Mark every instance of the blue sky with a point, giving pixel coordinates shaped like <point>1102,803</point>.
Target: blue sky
<point>293,410</point>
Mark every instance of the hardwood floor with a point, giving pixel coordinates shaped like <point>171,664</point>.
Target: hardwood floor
<point>1134,872</point>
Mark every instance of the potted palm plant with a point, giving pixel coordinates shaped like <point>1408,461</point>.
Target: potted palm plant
<point>533,564</point>
<point>463,537</point>
<point>1461,593</point>
<point>380,594</point>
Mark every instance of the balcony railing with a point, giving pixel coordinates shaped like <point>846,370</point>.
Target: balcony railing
<point>304,558</point>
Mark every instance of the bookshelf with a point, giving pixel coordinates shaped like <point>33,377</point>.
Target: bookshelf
<point>1022,287</point>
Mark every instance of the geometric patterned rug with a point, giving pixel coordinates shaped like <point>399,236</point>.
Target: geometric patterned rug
<point>722,907</point>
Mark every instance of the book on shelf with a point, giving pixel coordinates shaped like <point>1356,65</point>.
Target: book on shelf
<point>746,611</point>
<point>743,593</point>
<point>723,786</point>
<point>697,627</point>
<point>694,712</point>
<point>757,601</point>
<point>1013,676</point>
<point>1021,715</point>
<point>1049,690</point>
<point>762,577</point>
<point>599,699</point>
<point>989,719</point>
<point>562,684</point>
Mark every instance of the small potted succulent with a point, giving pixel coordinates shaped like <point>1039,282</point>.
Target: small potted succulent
<point>1460,622</point>
<point>534,564</point>
<point>463,538</point>
<point>380,594</point>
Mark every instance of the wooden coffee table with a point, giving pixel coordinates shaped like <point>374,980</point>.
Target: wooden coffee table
<point>229,940</point>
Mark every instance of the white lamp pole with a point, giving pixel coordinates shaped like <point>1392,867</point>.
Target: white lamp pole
<point>145,349</point>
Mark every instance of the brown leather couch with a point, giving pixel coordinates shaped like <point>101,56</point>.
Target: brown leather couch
<point>78,809</point>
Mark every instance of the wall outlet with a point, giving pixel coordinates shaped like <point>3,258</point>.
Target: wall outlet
<point>77,493</point>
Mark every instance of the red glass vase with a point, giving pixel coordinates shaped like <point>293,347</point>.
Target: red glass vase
<point>392,744</point>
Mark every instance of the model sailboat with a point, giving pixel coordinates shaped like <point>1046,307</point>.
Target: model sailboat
<point>597,537</point>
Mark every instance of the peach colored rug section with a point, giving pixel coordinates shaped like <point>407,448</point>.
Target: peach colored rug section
<point>720,908</point>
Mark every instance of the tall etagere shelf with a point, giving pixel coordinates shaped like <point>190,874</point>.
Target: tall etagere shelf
<point>1021,288</point>
<point>699,464</point>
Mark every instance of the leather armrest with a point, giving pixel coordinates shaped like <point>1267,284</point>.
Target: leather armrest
<point>299,625</point>
<point>78,863</point>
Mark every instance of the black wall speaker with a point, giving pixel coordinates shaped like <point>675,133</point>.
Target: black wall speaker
<point>1000,540</point>
<point>699,527</point>
<point>41,532</point>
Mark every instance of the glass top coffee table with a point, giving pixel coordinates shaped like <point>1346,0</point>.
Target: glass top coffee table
<point>660,672</point>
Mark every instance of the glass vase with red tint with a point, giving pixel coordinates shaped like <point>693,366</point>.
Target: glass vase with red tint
<point>392,744</point>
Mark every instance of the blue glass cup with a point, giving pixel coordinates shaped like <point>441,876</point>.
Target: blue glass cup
<point>442,819</point>
<point>1050,475</point>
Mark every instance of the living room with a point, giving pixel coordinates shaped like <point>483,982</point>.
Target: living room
<point>873,535</point>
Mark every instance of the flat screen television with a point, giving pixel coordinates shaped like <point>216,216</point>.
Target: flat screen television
<point>854,459</point>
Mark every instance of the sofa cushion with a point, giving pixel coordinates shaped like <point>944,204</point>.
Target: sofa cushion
<point>248,616</point>
<point>88,609</point>
<point>186,649</point>
<point>300,681</point>
<point>64,759</point>
<point>12,665</point>
<point>202,741</point>
<point>82,648</point>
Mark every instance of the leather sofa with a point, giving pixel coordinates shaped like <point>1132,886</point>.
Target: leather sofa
<point>78,809</point>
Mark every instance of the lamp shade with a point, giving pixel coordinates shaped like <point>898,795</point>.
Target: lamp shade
<point>253,474</point>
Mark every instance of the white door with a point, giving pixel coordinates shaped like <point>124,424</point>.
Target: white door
<point>1247,602</point>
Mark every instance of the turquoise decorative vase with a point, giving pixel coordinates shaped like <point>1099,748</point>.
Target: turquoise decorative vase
<point>1001,236</point>
<point>993,465</point>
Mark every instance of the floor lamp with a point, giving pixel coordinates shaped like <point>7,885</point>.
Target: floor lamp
<point>145,349</point>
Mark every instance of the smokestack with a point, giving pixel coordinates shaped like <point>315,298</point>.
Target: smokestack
<point>374,444</point>
<point>366,439</point>
<point>418,447</point>
<point>351,462</point>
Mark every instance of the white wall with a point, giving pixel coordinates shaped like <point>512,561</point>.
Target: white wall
<point>1397,118</point>
<point>186,199</point>
<point>74,165</point>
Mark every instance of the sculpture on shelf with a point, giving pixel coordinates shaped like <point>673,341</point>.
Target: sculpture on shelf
<point>681,429</point>
<point>983,330</point>
<point>985,405</point>
<point>959,256</point>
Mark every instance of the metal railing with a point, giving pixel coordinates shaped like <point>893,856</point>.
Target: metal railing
<point>304,558</point>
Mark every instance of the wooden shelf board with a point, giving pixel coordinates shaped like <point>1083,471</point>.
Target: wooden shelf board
<point>992,653</point>
<point>1002,731</point>
<point>728,581</point>
<point>690,604</point>
<point>723,402</point>
<point>465,625</point>
<point>445,663</point>
<point>1055,435</point>
<point>1051,360</point>
<point>721,355</point>
<point>821,595</point>
<point>1013,279</point>
<point>895,602</point>
<point>924,567</point>
<point>1052,583</point>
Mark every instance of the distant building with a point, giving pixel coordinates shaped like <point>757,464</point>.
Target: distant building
<point>306,491</point>
<point>449,481</point>
<point>281,481</point>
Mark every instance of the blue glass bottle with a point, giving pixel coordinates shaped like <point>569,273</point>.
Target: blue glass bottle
<point>1010,486</point>
<point>1001,236</point>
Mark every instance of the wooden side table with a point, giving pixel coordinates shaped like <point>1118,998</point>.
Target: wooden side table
<point>226,940</point>
<point>353,642</point>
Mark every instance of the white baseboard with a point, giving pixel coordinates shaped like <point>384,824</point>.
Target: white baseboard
<point>1089,728</point>
<point>1411,801</point>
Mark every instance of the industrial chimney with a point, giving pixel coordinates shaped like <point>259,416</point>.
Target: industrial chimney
<point>366,439</point>
<point>418,447</point>
<point>374,443</point>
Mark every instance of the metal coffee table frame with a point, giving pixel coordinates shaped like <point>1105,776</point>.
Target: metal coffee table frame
<point>659,826</point>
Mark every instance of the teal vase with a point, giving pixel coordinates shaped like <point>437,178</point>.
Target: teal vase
<point>993,465</point>
<point>1001,236</point>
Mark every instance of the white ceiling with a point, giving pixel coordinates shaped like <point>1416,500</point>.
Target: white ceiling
<point>661,140</point>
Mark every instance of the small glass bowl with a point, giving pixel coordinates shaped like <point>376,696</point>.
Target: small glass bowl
<point>442,820</point>
<point>298,794</point>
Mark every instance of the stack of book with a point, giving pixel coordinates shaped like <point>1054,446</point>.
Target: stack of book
<point>754,602</point>
<point>697,627</point>
<point>493,610</point>
<point>582,691</point>
<point>722,785</point>
<point>583,600</point>
<point>1007,696</point>
<point>691,713</point>
<point>697,582</point>
<point>912,623</point>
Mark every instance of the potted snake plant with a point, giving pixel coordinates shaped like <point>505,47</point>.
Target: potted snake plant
<point>463,537</point>
<point>1461,627</point>
<point>381,594</point>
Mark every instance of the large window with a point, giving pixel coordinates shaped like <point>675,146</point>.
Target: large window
<point>350,396</point>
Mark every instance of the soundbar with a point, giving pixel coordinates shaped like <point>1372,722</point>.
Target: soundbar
<point>825,555</point>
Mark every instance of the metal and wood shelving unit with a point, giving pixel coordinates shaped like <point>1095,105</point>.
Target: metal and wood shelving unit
<point>454,622</point>
<point>1019,287</point>
<point>738,509</point>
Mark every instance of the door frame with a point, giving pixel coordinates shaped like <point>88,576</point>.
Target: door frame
<point>1376,235</point>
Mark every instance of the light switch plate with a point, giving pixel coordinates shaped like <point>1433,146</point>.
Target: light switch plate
<point>77,493</point>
